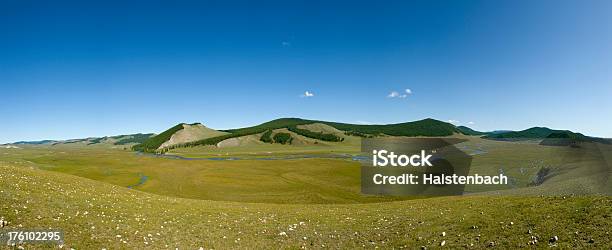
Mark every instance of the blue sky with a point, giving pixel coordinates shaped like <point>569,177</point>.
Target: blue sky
<point>75,69</point>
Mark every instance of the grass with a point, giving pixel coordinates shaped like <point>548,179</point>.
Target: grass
<point>312,203</point>
<point>98,215</point>
<point>252,178</point>
<point>276,181</point>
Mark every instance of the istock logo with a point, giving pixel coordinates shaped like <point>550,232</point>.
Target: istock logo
<point>382,158</point>
<point>414,167</point>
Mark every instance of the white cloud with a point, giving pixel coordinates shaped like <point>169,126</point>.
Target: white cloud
<point>453,121</point>
<point>364,122</point>
<point>471,123</point>
<point>393,94</point>
<point>307,94</point>
<point>396,94</point>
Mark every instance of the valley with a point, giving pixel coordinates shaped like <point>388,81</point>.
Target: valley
<point>247,191</point>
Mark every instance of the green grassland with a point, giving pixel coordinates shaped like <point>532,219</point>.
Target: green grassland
<point>321,173</point>
<point>271,181</point>
<point>251,202</point>
<point>97,215</point>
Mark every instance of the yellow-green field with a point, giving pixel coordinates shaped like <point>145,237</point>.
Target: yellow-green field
<point>269,181</point>
<point>302,202</point>
<point>262,174</point>
<point>97,215</point>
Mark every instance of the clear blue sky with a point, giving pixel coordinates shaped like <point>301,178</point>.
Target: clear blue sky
<point>76,69</point>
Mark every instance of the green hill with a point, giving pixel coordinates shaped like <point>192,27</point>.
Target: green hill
<point>154,142</point>
<point>426,127</point>
<point>544,133</point>
<point>178,135</point>
<point>468,131</point>
<point>233,133</point>
<point>116,140</point>
<point>531,133</point>
<point>106,140</point>
<point>135,138</point>
<point>43,142</point>
<point>535,133</point>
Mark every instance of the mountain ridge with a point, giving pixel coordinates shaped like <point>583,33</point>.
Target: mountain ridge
<point>468,131</point>
<point>424,127</point>
<point>545,133</point>
<point>114,140</point>
<point>150,142</point>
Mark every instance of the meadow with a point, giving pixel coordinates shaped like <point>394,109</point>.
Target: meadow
<point>275,173</point>
<point>99,215</point>
<point>97,195</point>
<point>269,181</point>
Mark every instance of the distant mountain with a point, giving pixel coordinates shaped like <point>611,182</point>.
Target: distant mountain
<point>305,131</point>
<point>566,138</point>
<point>426,127</point>
<point>468,131</point>
<point>43,142</point>
<point>129,139</point>
<point>563,139</point>
<point>531,133</point>
<point>500,131</point>
<point>550,136</point>
<point>109,140</point>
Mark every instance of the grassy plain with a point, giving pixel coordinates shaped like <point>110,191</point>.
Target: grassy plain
<point>97,215</point>
<point>271,181</point>
<point>259,173</point>
<point>312,203</point>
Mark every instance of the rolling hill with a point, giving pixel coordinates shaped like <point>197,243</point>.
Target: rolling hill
<point>468,131</point>
<point>426,127</point>
<point>117,140</point>
<point>180,134</point>
<point>531,133</point>
<point>43,142</point>
<point>544,133</point>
